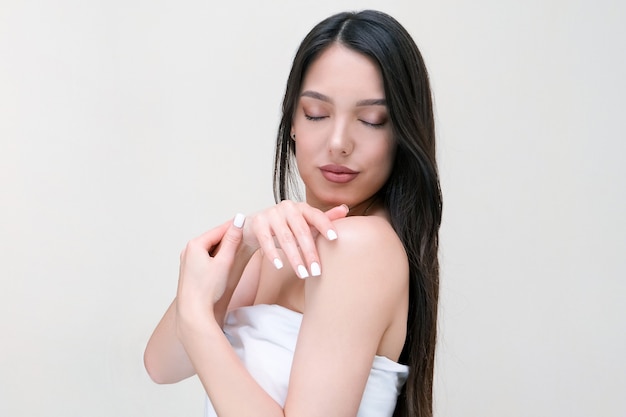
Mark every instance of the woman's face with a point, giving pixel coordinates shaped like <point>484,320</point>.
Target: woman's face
<point>343,139</point>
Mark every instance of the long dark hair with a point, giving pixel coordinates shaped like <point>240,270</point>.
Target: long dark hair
<point>411,195</point>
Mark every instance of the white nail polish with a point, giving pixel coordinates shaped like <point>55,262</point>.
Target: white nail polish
<point>239,219</point>
<point>331,234</point>
<point>302,272</point>
<point>315,269</point>
<point>278,263</point>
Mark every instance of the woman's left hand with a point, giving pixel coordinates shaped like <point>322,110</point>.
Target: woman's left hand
<point>203,276</point>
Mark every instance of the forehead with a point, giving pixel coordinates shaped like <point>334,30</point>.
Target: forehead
<point>341,71</point>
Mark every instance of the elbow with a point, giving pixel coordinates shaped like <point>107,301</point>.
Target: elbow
<point>152,368</point>
<point>162,371</point>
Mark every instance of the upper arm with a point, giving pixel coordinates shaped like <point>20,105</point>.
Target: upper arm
<point>347,311</point>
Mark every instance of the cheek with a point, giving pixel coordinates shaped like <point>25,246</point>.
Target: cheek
<point>385,160</point>
<point>303,152</point>
<point>385,155</point>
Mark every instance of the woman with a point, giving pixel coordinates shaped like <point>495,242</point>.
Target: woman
<point>358,121</point>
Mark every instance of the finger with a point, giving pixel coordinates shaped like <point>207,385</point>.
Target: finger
<point>334,213</point>
<point>231,240</point>
<point>306,232</point>
<point>296,238</point>
<point>263,233</point>
<point>322,221</point>
<point>316,221</point>
<point>337,212</point>
<point>274,232</point>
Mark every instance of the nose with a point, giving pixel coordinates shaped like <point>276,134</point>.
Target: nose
<point>340,143</point>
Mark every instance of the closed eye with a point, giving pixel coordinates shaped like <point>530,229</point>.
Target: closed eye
<point>373,125</point>
<point>314,118</point>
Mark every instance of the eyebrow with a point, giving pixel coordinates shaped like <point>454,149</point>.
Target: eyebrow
<point>372,102</point>
<point>322,97</point>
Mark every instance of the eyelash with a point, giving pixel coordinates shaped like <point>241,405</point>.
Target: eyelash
<point>368,124</point>
<point>373,125</point>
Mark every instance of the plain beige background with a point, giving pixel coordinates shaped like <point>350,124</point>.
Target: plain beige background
<point>127,127</point>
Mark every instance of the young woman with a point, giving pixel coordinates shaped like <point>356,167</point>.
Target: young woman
<point>357,336</point>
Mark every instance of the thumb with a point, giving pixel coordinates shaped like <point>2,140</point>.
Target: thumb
<point>232,238</point>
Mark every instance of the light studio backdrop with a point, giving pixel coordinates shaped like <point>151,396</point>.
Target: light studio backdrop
<point>128,127</point>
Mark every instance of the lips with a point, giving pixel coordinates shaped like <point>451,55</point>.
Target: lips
<point>338,173</point>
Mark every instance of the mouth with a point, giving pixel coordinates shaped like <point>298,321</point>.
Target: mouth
<point>338,173</point>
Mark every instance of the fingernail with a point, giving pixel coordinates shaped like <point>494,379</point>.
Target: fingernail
<point>302,272</point>
<point>239,219</point>
<point>346,207</point>
<point>278,263</point>
<point>331,234</point>
<point>315,269</point>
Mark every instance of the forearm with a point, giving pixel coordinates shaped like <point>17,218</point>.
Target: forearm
<point>223,375</point>
<point>165,358</point>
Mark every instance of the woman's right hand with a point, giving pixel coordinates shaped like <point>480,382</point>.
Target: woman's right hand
<point>292,227</point>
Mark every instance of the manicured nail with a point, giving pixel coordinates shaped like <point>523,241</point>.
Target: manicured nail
<point>315,269</point>
<point>278,263</point>
<point>239,219</point>
<point>302,272</point>
<point>331,234</point>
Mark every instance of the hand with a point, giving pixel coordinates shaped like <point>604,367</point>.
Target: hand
<point>292,227</point>
<point>202,277</point>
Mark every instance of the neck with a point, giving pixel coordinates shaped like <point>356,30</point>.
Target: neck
<point>365,208</point>
<point>368,207</point>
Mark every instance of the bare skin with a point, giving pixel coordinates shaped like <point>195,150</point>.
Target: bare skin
<point>354,309</point>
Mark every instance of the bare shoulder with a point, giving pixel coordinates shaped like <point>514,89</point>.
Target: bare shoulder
<point>367,230</point>
<point>367,248</point>
<point>365,268</point>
